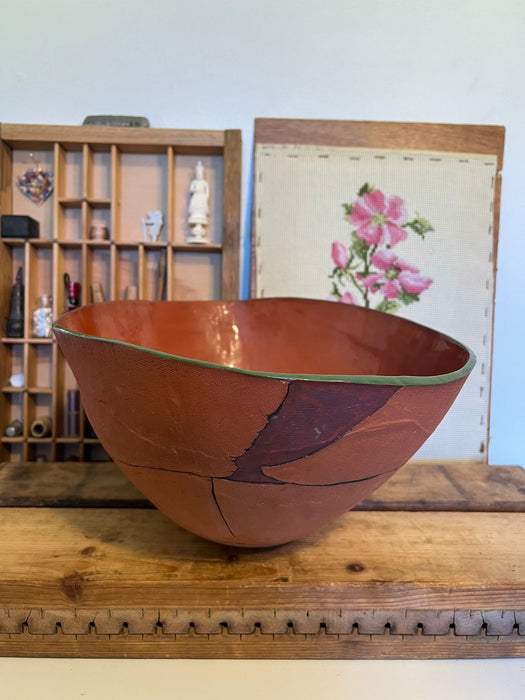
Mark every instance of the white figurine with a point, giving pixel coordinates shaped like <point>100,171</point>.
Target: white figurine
<point>198,208</point>
<point>152,225</point>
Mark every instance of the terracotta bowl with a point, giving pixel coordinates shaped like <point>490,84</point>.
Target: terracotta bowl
<point>254,423</point>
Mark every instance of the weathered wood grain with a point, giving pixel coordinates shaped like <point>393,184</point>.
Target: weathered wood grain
<point>454,138</point>
<point>380,560</point>
<point>231,208</point>
<point>136,138</point>
<point>259,646</point>
<point>439,487</point>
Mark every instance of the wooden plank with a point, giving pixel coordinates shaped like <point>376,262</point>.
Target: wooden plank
<point>6,197</point>
<point>457,138</point>
<point>231,207</point>
<point>67,484</point>
<point>378,560</point>
<point>129,583</point>
<point>25,135</point>
<point>6,179</point>
<point>256,646</point>
<point>459,486</point>
<point>417,486</point>
<point>106,582</point>
<point>184,623</point>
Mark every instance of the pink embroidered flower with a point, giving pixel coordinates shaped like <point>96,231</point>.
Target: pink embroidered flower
<point>371,282</point>
<point>340,254</point>
<point>347,298</point>
<point>379,218</point>
<point>397,275</point>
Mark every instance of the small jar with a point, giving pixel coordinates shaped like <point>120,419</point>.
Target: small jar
<point>15,428</point>
<point>41,427</point>
<point>42,319</point>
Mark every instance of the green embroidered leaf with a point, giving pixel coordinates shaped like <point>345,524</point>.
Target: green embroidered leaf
<point>389,306</point>
<point>366,189</point>
<point>349,209</point>
<point>406,297</point>
<point>335,291</point>
<point>359,246</point>
<point>419,225</point>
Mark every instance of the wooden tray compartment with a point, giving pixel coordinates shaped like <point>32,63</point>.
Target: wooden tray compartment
<point>111,177</point>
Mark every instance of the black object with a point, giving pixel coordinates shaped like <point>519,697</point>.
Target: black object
<point>15,321</point>
<point>88,430</point>
<point>14,226</point>
<point>114,120</point>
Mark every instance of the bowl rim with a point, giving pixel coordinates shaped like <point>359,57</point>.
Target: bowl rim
<point>379,379</point>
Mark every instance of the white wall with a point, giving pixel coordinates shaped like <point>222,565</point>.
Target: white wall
<point>221,63</point>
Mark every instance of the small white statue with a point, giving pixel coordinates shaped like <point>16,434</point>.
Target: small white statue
<point>198,208</point>
<point>152,225</point>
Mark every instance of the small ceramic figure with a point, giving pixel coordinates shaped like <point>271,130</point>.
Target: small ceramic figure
<point>17,380</point>
<point>152,225</point>
<point>198,208</point>
<point>98,232</point>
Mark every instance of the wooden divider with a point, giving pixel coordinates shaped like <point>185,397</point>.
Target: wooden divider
<point>108,177</point>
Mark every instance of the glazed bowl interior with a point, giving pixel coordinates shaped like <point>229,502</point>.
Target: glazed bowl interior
<point>288,337</point>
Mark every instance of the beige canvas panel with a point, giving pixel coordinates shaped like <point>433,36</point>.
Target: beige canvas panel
<point>299,195</point>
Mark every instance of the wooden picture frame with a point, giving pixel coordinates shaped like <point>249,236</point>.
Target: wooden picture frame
<point>294,145</point>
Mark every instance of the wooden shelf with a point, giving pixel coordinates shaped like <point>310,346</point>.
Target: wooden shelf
<point>431,566</point>
<point>110,177</point>
<point>75,202</point>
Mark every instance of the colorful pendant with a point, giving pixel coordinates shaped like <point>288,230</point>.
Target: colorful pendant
<point>36,183</point>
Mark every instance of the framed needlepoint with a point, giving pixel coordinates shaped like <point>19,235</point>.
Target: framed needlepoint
<point>398,217</point>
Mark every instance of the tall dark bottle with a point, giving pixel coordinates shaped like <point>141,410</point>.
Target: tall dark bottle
<point>15,321</point>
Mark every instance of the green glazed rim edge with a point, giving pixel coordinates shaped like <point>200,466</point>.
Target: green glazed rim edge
<point>400,380</point>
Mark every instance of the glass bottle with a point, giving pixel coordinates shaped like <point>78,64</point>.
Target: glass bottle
<point>42,318</point>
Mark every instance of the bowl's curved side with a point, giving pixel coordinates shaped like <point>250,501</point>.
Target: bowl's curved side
<point>158,411</point>
<point>243,459</point>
